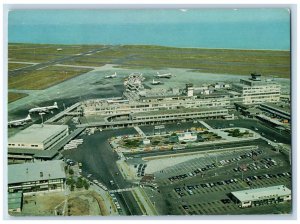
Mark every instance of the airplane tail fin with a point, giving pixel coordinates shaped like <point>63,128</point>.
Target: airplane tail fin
<point>55,104</point>
<point>28,117</point>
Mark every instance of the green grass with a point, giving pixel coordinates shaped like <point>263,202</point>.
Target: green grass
<point>224,61</point>
<point>241,62</point>
<point>45,52</point>
<point>15,96</point>
<point>13,66</point>
<point>44,78</point>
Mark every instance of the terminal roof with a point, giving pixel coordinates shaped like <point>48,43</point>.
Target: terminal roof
<point>36,133</point>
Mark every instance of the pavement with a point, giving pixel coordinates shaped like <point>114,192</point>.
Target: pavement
<point>98,159</point>
<point>109,205</point>
<point>144,202</point>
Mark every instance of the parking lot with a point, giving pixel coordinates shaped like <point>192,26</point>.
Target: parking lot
<point>140,169</point>
<point>208,163</point>
<point>201,186</point>
<point>211,197</point>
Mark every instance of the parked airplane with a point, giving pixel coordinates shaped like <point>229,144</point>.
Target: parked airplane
<point>43,109</point>
<point>111,76</point>
<point>166,75</point>
<point>19,122</point>
<point>155,82</point>
<point>117,101</point>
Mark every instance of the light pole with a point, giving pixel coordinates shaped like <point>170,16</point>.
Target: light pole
<point>64,112</point>
<point>41,114</point>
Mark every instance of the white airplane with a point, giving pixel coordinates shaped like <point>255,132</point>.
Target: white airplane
<point>111,76</point>
<point>155,82</point>
<point>117,101</point>
<point>43,109</point>
<point>166,75</point>
<point>19,122</point>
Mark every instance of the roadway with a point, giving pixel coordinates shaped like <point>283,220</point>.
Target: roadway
<point>99,160</point>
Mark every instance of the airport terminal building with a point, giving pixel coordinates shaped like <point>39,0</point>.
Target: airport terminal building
<point>36,177</point>
<point>261,196</point>
<point>256,91</point>
<point>38,136</point>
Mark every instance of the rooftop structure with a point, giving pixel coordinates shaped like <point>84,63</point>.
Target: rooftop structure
<point>17,155</point>
<point>134,82</point>
<point>36,176</point>
<point>38,137</point>
<point>26,172</point>
<point>266,195</point>
<point>256,77</point>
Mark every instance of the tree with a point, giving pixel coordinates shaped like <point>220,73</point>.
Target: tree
<point>70,181</point>
<point>79,183</point>
<point>86,184</point>
<point>71,171</point>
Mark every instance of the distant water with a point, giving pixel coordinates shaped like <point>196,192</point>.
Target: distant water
<point>243,28</point>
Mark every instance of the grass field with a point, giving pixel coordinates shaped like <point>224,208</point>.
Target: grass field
<point>13,66</point>
<point>15,96</point>
<point>242,62</point>
<point>44,78</point>
<point>219,61</point>
<point>45,52</point>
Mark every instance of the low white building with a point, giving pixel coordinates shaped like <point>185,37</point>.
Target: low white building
<point>261,196</point>
<point>146,141</point>
<point>38,137</point>
<point>187,137</point>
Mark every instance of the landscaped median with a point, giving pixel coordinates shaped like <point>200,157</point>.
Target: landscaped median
<point>179,140</point>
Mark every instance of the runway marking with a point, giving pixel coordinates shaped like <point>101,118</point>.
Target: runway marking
<point>42,68</point>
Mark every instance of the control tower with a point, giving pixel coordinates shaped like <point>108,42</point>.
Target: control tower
<point>189,89</point>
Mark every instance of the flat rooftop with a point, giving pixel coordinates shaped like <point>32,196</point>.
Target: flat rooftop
<point>26,172</point>
<point>37,133</point>
<point>243,82</point>
<point>261,193</point>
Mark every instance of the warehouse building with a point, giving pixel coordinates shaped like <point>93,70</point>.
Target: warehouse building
<point>38,137</point>
<point>261,196</point>
<point>35,177</point>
